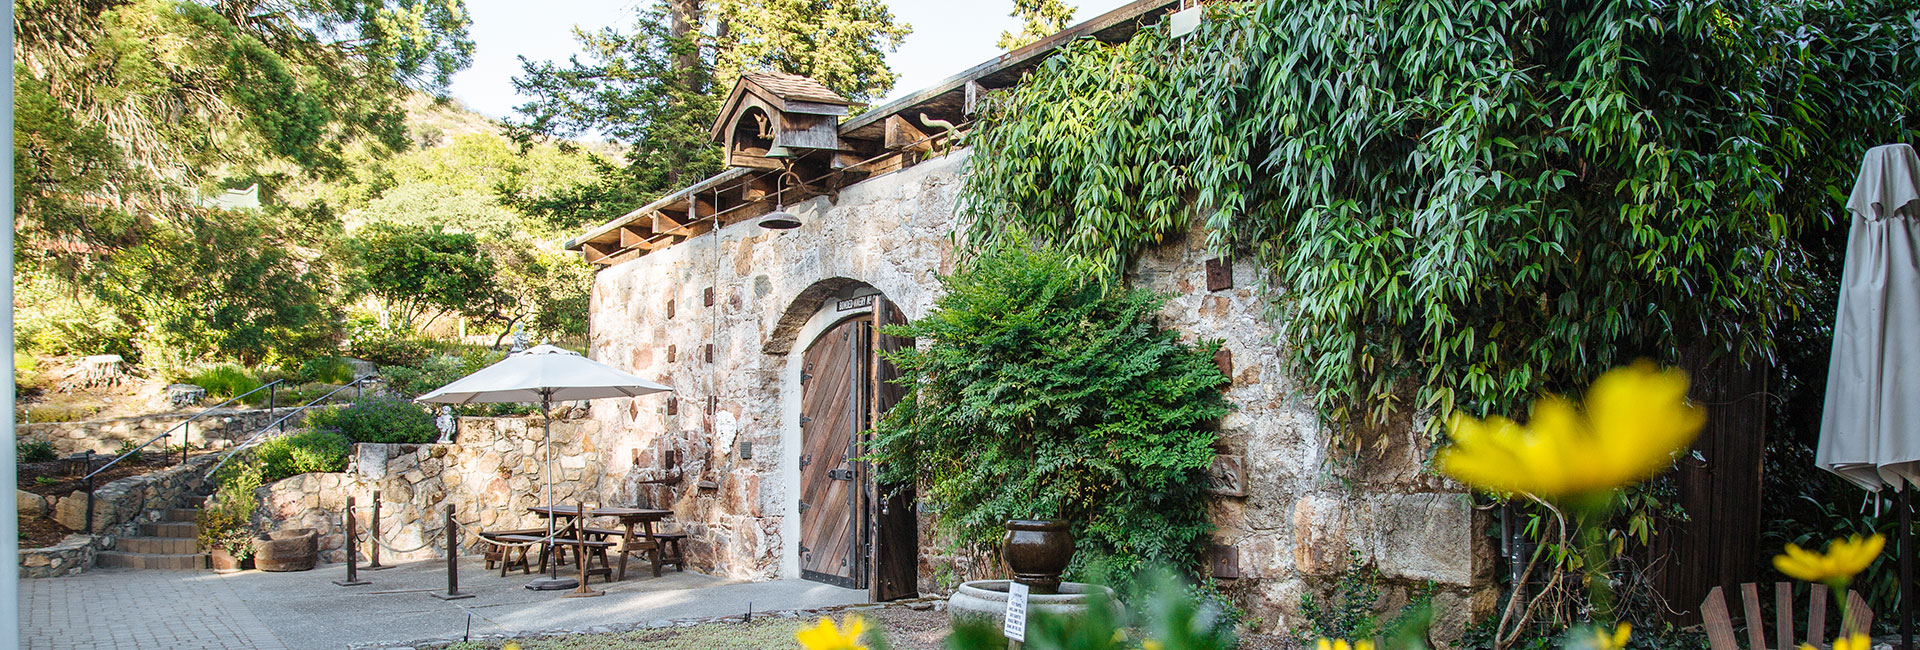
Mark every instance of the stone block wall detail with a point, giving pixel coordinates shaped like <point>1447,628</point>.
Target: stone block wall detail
<point>118,510</point>
<point>217,429</point>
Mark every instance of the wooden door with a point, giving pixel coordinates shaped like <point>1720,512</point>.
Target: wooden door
<point>833,416</point>
<point>895,565</point>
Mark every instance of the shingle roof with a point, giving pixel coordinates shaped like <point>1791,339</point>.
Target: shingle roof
<point>788,86</point>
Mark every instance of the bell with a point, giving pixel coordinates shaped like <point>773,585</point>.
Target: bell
<point>779,219</point>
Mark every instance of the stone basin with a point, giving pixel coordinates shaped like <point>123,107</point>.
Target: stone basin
<point>987,600</point>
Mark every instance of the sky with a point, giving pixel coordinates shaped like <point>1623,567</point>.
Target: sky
<point>948,36</point>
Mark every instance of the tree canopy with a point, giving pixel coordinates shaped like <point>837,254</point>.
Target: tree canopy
<point>655,88</point>
<point>1038,19</point>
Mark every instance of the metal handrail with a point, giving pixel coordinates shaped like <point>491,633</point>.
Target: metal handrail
<point>88,479</point>
<point>256,437</point>
<point>186,422</point>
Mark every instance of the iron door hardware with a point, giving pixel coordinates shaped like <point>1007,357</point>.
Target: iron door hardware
<point>805,419</point>
<point>804,506</point>
<point>840,474</point>
<point>806,460</point>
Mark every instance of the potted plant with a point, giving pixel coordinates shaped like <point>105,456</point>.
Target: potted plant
<point>226,523</point>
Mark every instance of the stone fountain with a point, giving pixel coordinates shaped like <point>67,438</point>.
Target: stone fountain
<point>1035,551</point>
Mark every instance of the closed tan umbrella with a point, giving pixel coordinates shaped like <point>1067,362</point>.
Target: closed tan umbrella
<point>1870,427</point>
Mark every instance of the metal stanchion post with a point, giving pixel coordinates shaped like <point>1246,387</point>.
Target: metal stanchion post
<point>373,533</point>
<point>353,559</point>
<point>453,557</point>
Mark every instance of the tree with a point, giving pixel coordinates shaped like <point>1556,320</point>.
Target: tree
<point>656,88</point>
<point>1038,19</point>
<point>547,291</point>
<point>131,111</point>
<point>422,273</point>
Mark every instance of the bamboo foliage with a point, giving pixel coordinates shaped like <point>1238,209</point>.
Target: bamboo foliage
<point>1465,203</point>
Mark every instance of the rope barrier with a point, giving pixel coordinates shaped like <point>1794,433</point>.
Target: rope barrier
<point>365,536</point>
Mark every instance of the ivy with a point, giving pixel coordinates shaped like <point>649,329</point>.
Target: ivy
<point>1462,204</point>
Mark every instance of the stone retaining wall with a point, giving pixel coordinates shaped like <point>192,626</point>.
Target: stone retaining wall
<point>71,557</point>
<point>491,475</point>
<point>217,429</point>
<point>118,510</point>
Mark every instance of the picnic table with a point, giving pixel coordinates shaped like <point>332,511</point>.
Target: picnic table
<point>628,517</point>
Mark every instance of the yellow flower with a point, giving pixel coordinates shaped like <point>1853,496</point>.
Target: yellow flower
<point>1635,419</point>
<point>511,645</point>
<point>1844,557</point>
<point>1152,644</point>
<point>826,637</point>
<point>1615,641</point>
<point>1341,644</point>
<point>1855,642</point>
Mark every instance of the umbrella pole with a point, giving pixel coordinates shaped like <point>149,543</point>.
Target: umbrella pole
<point>1905,549</point>
<point>553,581</point>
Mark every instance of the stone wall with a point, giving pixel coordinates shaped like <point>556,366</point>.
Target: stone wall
<point>71,557</point>
<point>118,510</point>
<point>1307,503</point>
<point>491,474</point>
<point>217,429</point>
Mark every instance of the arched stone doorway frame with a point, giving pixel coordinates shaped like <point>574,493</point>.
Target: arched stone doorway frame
<point>812,313</point>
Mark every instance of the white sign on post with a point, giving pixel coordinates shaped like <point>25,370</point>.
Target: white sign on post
<point>1015,625</point>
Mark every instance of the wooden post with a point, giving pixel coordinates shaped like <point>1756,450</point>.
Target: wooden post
<point>580,554</point>
<point>373,534</point>
<point>353,559</point>
<point>453,557</point>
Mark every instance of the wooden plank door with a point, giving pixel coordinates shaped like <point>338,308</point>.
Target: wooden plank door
<point>895,566</point>
<point>833,415</point>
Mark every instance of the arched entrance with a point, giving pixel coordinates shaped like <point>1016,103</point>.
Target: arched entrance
<point>851,532</point>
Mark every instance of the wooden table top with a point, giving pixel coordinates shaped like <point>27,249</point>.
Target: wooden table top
<point>574,511</point>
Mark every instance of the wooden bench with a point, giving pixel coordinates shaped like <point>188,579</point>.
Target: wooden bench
<point>494,554</point>
<point>593,549</point>
<point>1720,636</point>
<point>670,550</point>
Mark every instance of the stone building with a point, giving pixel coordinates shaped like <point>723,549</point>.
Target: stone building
<point>766,337</point>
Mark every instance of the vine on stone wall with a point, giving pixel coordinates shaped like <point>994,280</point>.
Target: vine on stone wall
<point>1466,203</point>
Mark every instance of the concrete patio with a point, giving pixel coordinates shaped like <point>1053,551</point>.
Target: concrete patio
<point>297,611</point>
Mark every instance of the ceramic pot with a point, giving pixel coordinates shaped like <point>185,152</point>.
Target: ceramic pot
<point>1036,551</point>
<point>224,562</point>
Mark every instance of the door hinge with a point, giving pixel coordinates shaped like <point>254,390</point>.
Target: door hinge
<point>805,419</point>
<point>804,376</point>
<point>804,506</point>
<point>806,460</point>
<point>840,474</point>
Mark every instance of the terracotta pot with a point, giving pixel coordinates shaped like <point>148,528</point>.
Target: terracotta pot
<point>223,562</point>
<point>291,549</point>
<point>1036,551</point>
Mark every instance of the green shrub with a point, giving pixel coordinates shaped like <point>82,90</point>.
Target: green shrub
<point>390,350</point>
<point>300,453</point>
<point>225,382</point>
<point>377,419</point>
<point>133,452</point>
<point>1037,392</point>
<point>436,371</point>
<point>38,451</point>
<point>326,370</point>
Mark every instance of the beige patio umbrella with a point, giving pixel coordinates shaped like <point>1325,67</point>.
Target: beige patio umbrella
<point>544,374</point>
<point>1870,427</point>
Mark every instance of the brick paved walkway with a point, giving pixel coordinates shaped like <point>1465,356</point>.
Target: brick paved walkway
<point>139,609</point>
<point>305,610</point>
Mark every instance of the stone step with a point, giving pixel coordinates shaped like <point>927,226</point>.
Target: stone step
<point>182,514</point>
<point>159,545</point>
<point>125,560</point>
<point>170,529</point>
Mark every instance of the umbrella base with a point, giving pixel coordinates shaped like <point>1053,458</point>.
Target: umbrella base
<point>552,584</point>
